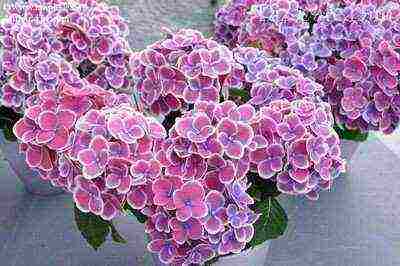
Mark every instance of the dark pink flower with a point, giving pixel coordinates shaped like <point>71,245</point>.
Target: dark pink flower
<point>78,105</point>
<point>189,229</point>
<point>26,130</point>
<point>353,101</point>
<point>201,88</point>
<point>117,176</point>
<point>93,122</point>
<point>164,189</point>
<point>173,81</point>
<point>269,160</point>
<point>11,97</point>
<point>167,249</point>
<point>225,168</point>
<point>143,171</point>
<point>214,221</point>
<point>119,149</point>
<point>87,196</point>
<point>112,206</point>
<point>215,62</point>
<point>291,128</point>
<point>234,137</point>
<point>48,70</point>
<point>160,220</point>
<point>237,190</point>
<point>38,157</point>
<point>137,197</point>
<point>209,148</point>
<point>80,141</point>
<point>128,129</point>
<point>236,218</point>
<point>200,254</point>
<point>317,148</point>
<point>196,167</point>
<point>189,201</point>
<point>197,128</point>
<point>94,159</point>
<point>244,233</point>
<point>151,57</point>
<point>230,244</point>
<point>191,64</point>
<point>55,128</point>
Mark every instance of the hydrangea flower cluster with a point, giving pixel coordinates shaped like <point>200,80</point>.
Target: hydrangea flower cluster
<point>199,207</point>
<point>64,66</point>
<point>296,146</point>
<point>360,71</point>
<point>200,202</point>
<point>179,70</point>
<point>87,140</point>
<point>268,24</point>
<point>88,34</point>
<point>349,48</point>
<point>267,79</point>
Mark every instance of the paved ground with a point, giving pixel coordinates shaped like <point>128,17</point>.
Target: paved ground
<point>146,17</point>
<point>356,224</point>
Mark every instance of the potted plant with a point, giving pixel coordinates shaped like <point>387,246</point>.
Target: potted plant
<point>193,138</point>
<point>206,187</point>
<point>35,37</point>
<point>348,47</point>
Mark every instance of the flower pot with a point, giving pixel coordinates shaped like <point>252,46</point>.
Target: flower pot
<point>30,179</point>
<point>249,257</point>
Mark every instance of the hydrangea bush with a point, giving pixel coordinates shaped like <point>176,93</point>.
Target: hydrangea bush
<point>362,67</point>
<point>89,35</point>
<point>283,133</point>
<point>190,136</point>
<point>347,46</point>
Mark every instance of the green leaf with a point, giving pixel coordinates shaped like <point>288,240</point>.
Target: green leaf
<point>271,224</point>
<point>140,217</point>
<point>9,134</point>
<point>260,188</point>
<point>95,230</point>
<point>353,135</point>
<point>243,94</point>
<point>8,118</point>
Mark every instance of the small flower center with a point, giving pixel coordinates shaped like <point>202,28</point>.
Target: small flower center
<point>188,203</point>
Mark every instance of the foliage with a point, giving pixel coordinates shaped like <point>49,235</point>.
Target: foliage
<point>96,230</point>
<point>271,224</point>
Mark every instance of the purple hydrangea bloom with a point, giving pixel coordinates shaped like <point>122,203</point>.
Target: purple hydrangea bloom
<point>197,129</point>
<point>95,158</point>
<point>214,221</point>
<point>269,160</point>
<point>237,190</point>
<point>87,196</point>
<point>189,229</point>
<point>167,249</point>
<point>200,254</point>
<point>118,175</point>
<point>230,244</point>
<point>163,189</point>
<point>234,137</point>
<point>189,201</point>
